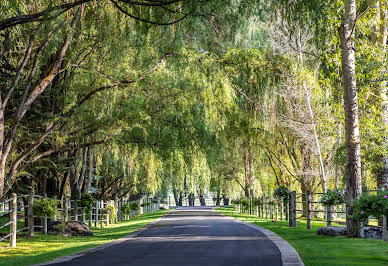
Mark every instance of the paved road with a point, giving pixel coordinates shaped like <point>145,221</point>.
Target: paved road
<point>189,236</point>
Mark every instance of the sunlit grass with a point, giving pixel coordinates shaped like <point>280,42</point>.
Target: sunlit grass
<point>321,250</point>
<point>42,248</point>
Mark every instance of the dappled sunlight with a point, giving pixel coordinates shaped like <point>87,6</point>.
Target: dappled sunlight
<point>45,247</point>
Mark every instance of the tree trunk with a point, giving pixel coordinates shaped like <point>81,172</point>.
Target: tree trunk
<point>352,131</point>
<point>249,179</point>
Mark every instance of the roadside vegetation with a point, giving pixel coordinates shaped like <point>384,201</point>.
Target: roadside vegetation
<point>320,250</point>
<point>43,248</point>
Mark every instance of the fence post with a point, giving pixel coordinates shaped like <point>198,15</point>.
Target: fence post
<point>385,228</point>
<point>65,210</point>
<point>91,216</point>
<point>96,215</point>
<point>83,215</point>
<point>30,215</point>
<point>292,209</point>
<point>328,216</point>
<point>281,209</point>
<point>13,220</point>
<point>76,210</point>
<point>45,219</point>
<point>308,211</point>
<point>102,214</point>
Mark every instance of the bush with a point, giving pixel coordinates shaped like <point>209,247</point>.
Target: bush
<point>126,209</point>
<point>281,193</point>
<point>236,201</point>
<point>87,201</point>
<point>134,206</point>
<point>245,204</point>
<point>45,207</point>
<point>370,205</point>
<point>111,210</point>
<point>145,204</point>
<point>155,201</point>
<point>272,202</point>
<point>333,197</point>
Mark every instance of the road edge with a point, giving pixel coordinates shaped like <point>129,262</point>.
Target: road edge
<point>289,256</point>
<point>109,244</point>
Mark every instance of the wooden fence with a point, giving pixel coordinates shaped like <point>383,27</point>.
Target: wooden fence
<point>302,206</point>
<point>15,210</point>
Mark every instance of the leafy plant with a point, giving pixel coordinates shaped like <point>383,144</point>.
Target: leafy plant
<point>145,204</point>
<point>333,197</point>
<point>236,201</point>
<point>282,192</point>
<point>87,201</point>
<point>45,207</point>
<point>370,205</point>
<point>245,204</point>
<point>134,206</point>
<point>126,209</point>
<point>155,201</point>
<point>111,211</point>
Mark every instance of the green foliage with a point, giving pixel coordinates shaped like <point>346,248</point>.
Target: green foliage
<point>111,211</point>
<point>333,197</point>
<point>244,204</point>
<point>134,206</point>
<point>45,207</point>
<point>87,201</point>
<point>126,209</point>
<point>282,192</point>
<point>155,201</point>
<point>145,204</point>
<point>368,204</point>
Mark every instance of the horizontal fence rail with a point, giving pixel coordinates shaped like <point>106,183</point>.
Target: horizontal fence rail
<point>302,206</point>
<point>16,213</point>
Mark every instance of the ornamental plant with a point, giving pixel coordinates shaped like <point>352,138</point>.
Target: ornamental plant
<point>332,197</point>
<point>245,204</point>
<point>236,201</point>
<point>111,210</point>
<point>45,207</point>
<point>367,205</point>
<point>126,209</point>
<point>281,193</point>
<point>87,201</point>
<point>144,204</point>
<point>134,206</point>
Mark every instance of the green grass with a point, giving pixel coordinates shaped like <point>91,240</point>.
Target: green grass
<point>43,248</point>
<point>321,250</point>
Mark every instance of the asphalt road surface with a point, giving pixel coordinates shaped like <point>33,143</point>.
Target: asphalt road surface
<point>189,236</point>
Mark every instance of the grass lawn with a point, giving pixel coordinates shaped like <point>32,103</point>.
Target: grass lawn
<point>321,250</point>
<point>43,248</point>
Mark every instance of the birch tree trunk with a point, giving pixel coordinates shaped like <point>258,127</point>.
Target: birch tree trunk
<point>352,131</point>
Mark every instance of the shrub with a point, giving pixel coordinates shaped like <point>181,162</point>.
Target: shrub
<point>370,205</point>
<point>45,207</point>
<point>155,201</point>
<point>245,204</point>
<point>111,210</point>
<point>134,206</point>
<point>333,197</point>
<point>145,204</point>
<point>236,201</point>
<point>87,201</point>
<point>281,193</point>
<point>272,202</point>
<point>126,209</point>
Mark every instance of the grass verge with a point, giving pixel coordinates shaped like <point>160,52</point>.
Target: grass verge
<point>43,248</point>
<point>321,250</point>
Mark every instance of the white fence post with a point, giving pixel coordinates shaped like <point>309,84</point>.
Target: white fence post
<point>13,220</point>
